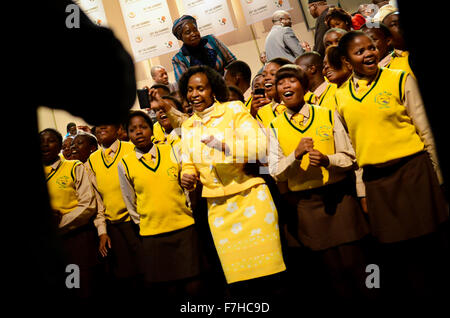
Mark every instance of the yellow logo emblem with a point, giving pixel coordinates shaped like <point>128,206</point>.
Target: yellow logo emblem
<point>383,99</point>
<point>63,182</point>
<point>324,132</point>
<point>172,172</point>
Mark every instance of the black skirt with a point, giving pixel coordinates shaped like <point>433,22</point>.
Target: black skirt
<point>172,256</point>
<point>404,199</point>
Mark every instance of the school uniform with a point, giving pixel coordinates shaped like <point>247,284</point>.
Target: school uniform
<point>328,215</point>
<point>126,247</point>
<point>323,95</point>
<point>397,60</point>
<point>158,204</point>
<point>388,127</point>
<point>241,213</point>
<point>268,112</point>
<point>394,145</point>
<point>161,136</point>
<point>248,103</point>
<point>72,196</point>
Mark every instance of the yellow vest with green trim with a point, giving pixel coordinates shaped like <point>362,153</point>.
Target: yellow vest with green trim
<point>327,99</point>
<point>320,128</point>
<point>159,135</point>
<point>310,97</point>
<point>61,186</point>
<point>401,63</point>
<point>266,114</point>
<point>378,124</point>
<point>160,200</point>
<point>107,176</point>
<point>248,103</point>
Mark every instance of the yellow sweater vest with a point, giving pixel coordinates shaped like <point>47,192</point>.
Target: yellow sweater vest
<point>320,128</point>
<point>401,63</point>
<point>326,100</point>
<point>107,176</point>
<point>378,124</point>
<point>161,202</point>
<point>266,114</point>
<point>159,135</point>
<point>61,186</point>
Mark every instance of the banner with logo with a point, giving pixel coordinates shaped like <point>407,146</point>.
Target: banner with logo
<point>213,16</point>
<point>149,27</point>
<point>94,10</point>
<point>257,10</point>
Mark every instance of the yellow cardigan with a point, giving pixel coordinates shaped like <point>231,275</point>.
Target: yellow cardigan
<point>222,173</point>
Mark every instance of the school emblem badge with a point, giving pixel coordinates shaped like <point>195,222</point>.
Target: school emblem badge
<point>172,172</point>
<point>383,99</point>
<point>324,132</point>
<point>62,182</point>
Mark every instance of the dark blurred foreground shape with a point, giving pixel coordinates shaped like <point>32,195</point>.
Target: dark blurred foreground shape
<point>423,32</point>
<point>85,71</point>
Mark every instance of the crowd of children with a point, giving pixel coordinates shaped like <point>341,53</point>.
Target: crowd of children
<point>328,166</point>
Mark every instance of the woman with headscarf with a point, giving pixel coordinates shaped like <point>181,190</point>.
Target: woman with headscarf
<point>198,50</point>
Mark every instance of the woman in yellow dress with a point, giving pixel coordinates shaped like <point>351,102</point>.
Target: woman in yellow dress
<point>217,140</point>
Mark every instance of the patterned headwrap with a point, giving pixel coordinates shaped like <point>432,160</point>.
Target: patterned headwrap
<point>180,22</point>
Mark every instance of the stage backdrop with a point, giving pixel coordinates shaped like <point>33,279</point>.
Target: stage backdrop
<point>149,27</point>
<point>258,10</point>
<point>94,10</point>
<point>213,17</point>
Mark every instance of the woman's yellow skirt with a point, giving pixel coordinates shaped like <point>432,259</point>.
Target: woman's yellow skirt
<point>245,230</point>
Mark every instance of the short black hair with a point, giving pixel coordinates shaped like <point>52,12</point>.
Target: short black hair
<point>54,132</point>
<point>70,125</point>
<point>382,27</point>
<point>312,58</point>
<point>175,100</point>
<point>292,70</point>
<point>237,91</point>
<point>346,39</point>
<point>216,81</point>
<point>240,67</point>
<point>138,113</point>
<point>279,61</point>
<point>161,86</point>
<point>334,57</point>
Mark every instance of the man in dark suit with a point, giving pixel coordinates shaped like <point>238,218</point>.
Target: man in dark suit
<point>318,10</point>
